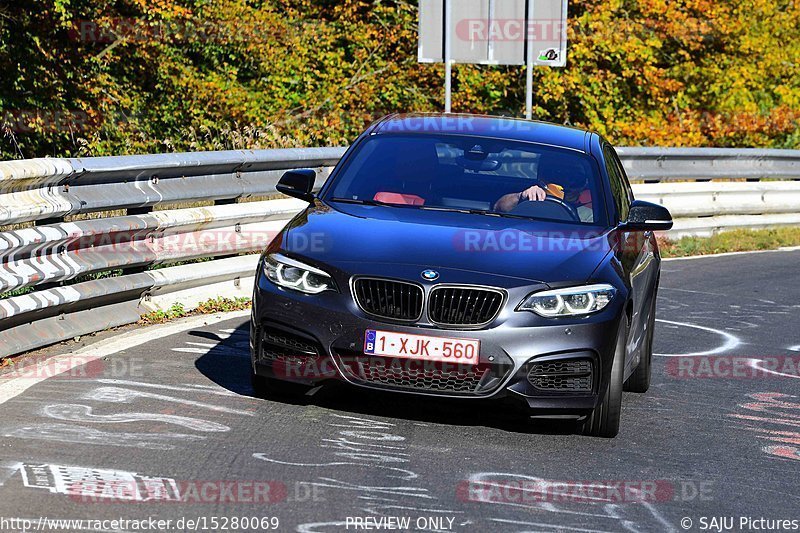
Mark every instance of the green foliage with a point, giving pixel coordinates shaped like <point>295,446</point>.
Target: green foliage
<point>88,77</point>
<point>732,241</point>
<point>214,305</point>
<point>159,316</point>
<point>223,305</point>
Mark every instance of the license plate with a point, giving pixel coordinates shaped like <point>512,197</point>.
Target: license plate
<point>391,344</point>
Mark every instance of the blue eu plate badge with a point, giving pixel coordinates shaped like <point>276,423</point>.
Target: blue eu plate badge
<point>369,342</point>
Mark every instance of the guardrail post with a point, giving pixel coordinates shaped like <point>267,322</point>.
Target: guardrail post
<point>137,211</point>
<point>226,201</point>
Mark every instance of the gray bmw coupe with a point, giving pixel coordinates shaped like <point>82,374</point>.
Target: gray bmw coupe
<point>466,256</point>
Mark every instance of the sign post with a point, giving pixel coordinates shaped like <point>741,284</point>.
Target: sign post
<point>448,63</point>
<point>529,63</point>
<point>493,32</point>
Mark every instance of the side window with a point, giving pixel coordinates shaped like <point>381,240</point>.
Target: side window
<point>619,187</point>
<point>625,182</point>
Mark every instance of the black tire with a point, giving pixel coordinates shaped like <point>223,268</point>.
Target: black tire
<point>604,420</point>
<point>264,387</point>
<point>639,380</point>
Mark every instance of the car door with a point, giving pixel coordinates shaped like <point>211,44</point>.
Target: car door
<point>635,251</point>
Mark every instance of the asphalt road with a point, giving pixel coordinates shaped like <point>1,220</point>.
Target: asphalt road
<point>169,429</point>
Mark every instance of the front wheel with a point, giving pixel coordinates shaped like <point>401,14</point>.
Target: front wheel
<point>604,419</point>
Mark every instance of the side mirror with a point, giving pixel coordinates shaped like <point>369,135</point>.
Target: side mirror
<point>647,216</point>
<point>298,183</point>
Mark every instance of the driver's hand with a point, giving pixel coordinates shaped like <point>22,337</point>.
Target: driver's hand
<point>532,194</point>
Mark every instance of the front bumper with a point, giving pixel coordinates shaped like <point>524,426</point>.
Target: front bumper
<point>327,331</point>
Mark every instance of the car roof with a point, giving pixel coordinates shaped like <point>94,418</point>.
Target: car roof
<point>484,126</point>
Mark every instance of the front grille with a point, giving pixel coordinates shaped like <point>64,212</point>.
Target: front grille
<point>463,306</point>
<point>575,375</point>
<point>433,376</point>
<point>386,298</point>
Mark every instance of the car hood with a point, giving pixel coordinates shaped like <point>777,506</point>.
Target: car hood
<point>349,235</point>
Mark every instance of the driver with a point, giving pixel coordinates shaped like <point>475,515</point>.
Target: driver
<point>565,184</point>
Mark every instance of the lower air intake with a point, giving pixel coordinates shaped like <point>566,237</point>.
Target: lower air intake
<point>290,355</point>
<point>562,376</point>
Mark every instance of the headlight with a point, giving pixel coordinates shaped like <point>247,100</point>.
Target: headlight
<point>571,301</point>
<point>290,274</point>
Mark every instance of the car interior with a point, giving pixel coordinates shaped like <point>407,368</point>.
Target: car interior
<point>471,175</point>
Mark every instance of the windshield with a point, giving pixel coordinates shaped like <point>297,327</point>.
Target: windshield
<point>472,174</point>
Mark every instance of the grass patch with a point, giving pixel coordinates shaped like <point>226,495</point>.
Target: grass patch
<point>740,240</point>
<point>223,305</point>
<point>16,292</point>
<point>214,305</point>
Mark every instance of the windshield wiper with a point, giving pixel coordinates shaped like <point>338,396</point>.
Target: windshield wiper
<point>464,210</point>
<point>370,202</point>
<point>468,211</point>
<point>388,204</point>
<point>506,215</point>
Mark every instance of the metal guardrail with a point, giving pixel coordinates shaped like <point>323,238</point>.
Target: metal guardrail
<point>705,208</point>
<point>663,164</point>
<point>37,189</point>
<point>55,258</point>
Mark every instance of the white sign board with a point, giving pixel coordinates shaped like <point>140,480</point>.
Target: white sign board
<point>494,32</point>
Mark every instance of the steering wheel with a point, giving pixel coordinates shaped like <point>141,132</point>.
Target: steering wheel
<point>551,207</point>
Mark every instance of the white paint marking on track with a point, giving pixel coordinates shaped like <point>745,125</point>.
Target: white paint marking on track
<point>217,349</point>
<point>550,527</point>
<point>70,433</point>
<point>216,389</point>
<point>726,254</point>
<point>501,479</point>
<point>755,364</point>
<point>542,487</point>
<point>731,341</point>
<point>406,474</point>
<point>83,413</point>
<point>14,387</point>
<point>661,287</point>
<point>120,395</point>
<point>8,469</point>
<point>233,331</point>
<point>313,527</point>
<point>198,351</point>
<point>95,484</point>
